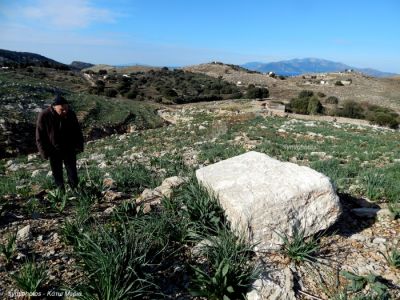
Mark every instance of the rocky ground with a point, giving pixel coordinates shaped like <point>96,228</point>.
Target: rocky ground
<point>200,135</point>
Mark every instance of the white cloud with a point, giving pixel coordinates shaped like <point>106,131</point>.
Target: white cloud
<point>67,14</point>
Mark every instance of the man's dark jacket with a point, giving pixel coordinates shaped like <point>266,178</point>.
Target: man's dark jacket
<point>56,135</point>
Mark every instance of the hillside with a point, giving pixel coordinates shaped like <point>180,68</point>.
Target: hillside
<point>109,100</point>
<point>24,92</point>
<point>379,91</point>
<point>23,59</point>
<point>108,224</point>
<point>79,65</point>
<point>296,67</point>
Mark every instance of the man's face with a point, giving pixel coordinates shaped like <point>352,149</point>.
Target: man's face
<point>61,110</point>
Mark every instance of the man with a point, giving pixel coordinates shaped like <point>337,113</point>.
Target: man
<point>59,138</point>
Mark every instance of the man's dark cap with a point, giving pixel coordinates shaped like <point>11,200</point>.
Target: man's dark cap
<point>59,100</point>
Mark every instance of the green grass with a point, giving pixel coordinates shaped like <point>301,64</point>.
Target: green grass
<point>202,208</point>
<point>30,277</point>
<point>393,258</point>
<point>298,247</point>
<point>228,272</point>
<point>134,178</point>
<point>362,164</point>
<point>8,249</point>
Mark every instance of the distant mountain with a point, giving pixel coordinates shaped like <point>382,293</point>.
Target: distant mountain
<point>24,59</point>
<point>309,65</point>
<point>79,65</point>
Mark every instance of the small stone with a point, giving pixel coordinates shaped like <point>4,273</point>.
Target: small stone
<point>20,256</point>
<point>358,237</point>
<point>201,127</point>
<point>108,183</point>
<point>379,241</point>
<point>109,210</point>
<point>24,233</point>
<point>32,157</point>
<point>384,214</point>
<point>111,195</point>
<point>35,173</point>
<point>102,165</point>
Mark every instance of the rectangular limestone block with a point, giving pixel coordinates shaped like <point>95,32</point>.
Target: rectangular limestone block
<point>262,197</point>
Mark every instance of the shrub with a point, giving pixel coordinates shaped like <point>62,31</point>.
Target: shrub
<point>170,93</point>
<point>299,105</point>
<point>339,83</point>
<point>351,109</point>
<point>111,93</point>
<point>383,119</point>
<point>100,85</point>
<point>306,94</point>
<point>332,100</point>
<point>314,106</point>
<point>132,94</point>
<point>102,72</point>
<point>321,94</point>
<point>254,93</point>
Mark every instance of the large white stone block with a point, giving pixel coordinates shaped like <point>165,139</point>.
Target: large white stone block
<point>262,197</point>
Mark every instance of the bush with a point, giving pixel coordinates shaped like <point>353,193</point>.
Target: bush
<point>332,100</point>
<point>314,106</point>
<point>352,109</point>
<point>100,85</point>
<point>132,94</point>
<point>306,94</point>
<point>255,93</point>
<point>321,94</point>
<point>111,93</point>
<point>299,105</point>
<point>383,119</point>
<point>170,93</point>
<point>339,83</point>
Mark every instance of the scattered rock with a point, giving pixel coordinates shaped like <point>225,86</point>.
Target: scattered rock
<point>35,173</point>
<point>358,237</point>
<point>273,285</point>
<point>379,240</point>
<point>112,195</point>
<point>32,157</point>
<point>109,210</point>
<point>384,214</point>
<point>24,233</point>
<point>109,183</point>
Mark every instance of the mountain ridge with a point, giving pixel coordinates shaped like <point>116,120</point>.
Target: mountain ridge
<point>298,66</point>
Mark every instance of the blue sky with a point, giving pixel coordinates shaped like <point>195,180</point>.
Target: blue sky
<point>175,33</point>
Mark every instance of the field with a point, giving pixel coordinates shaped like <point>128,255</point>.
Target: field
<point>180,247</point>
